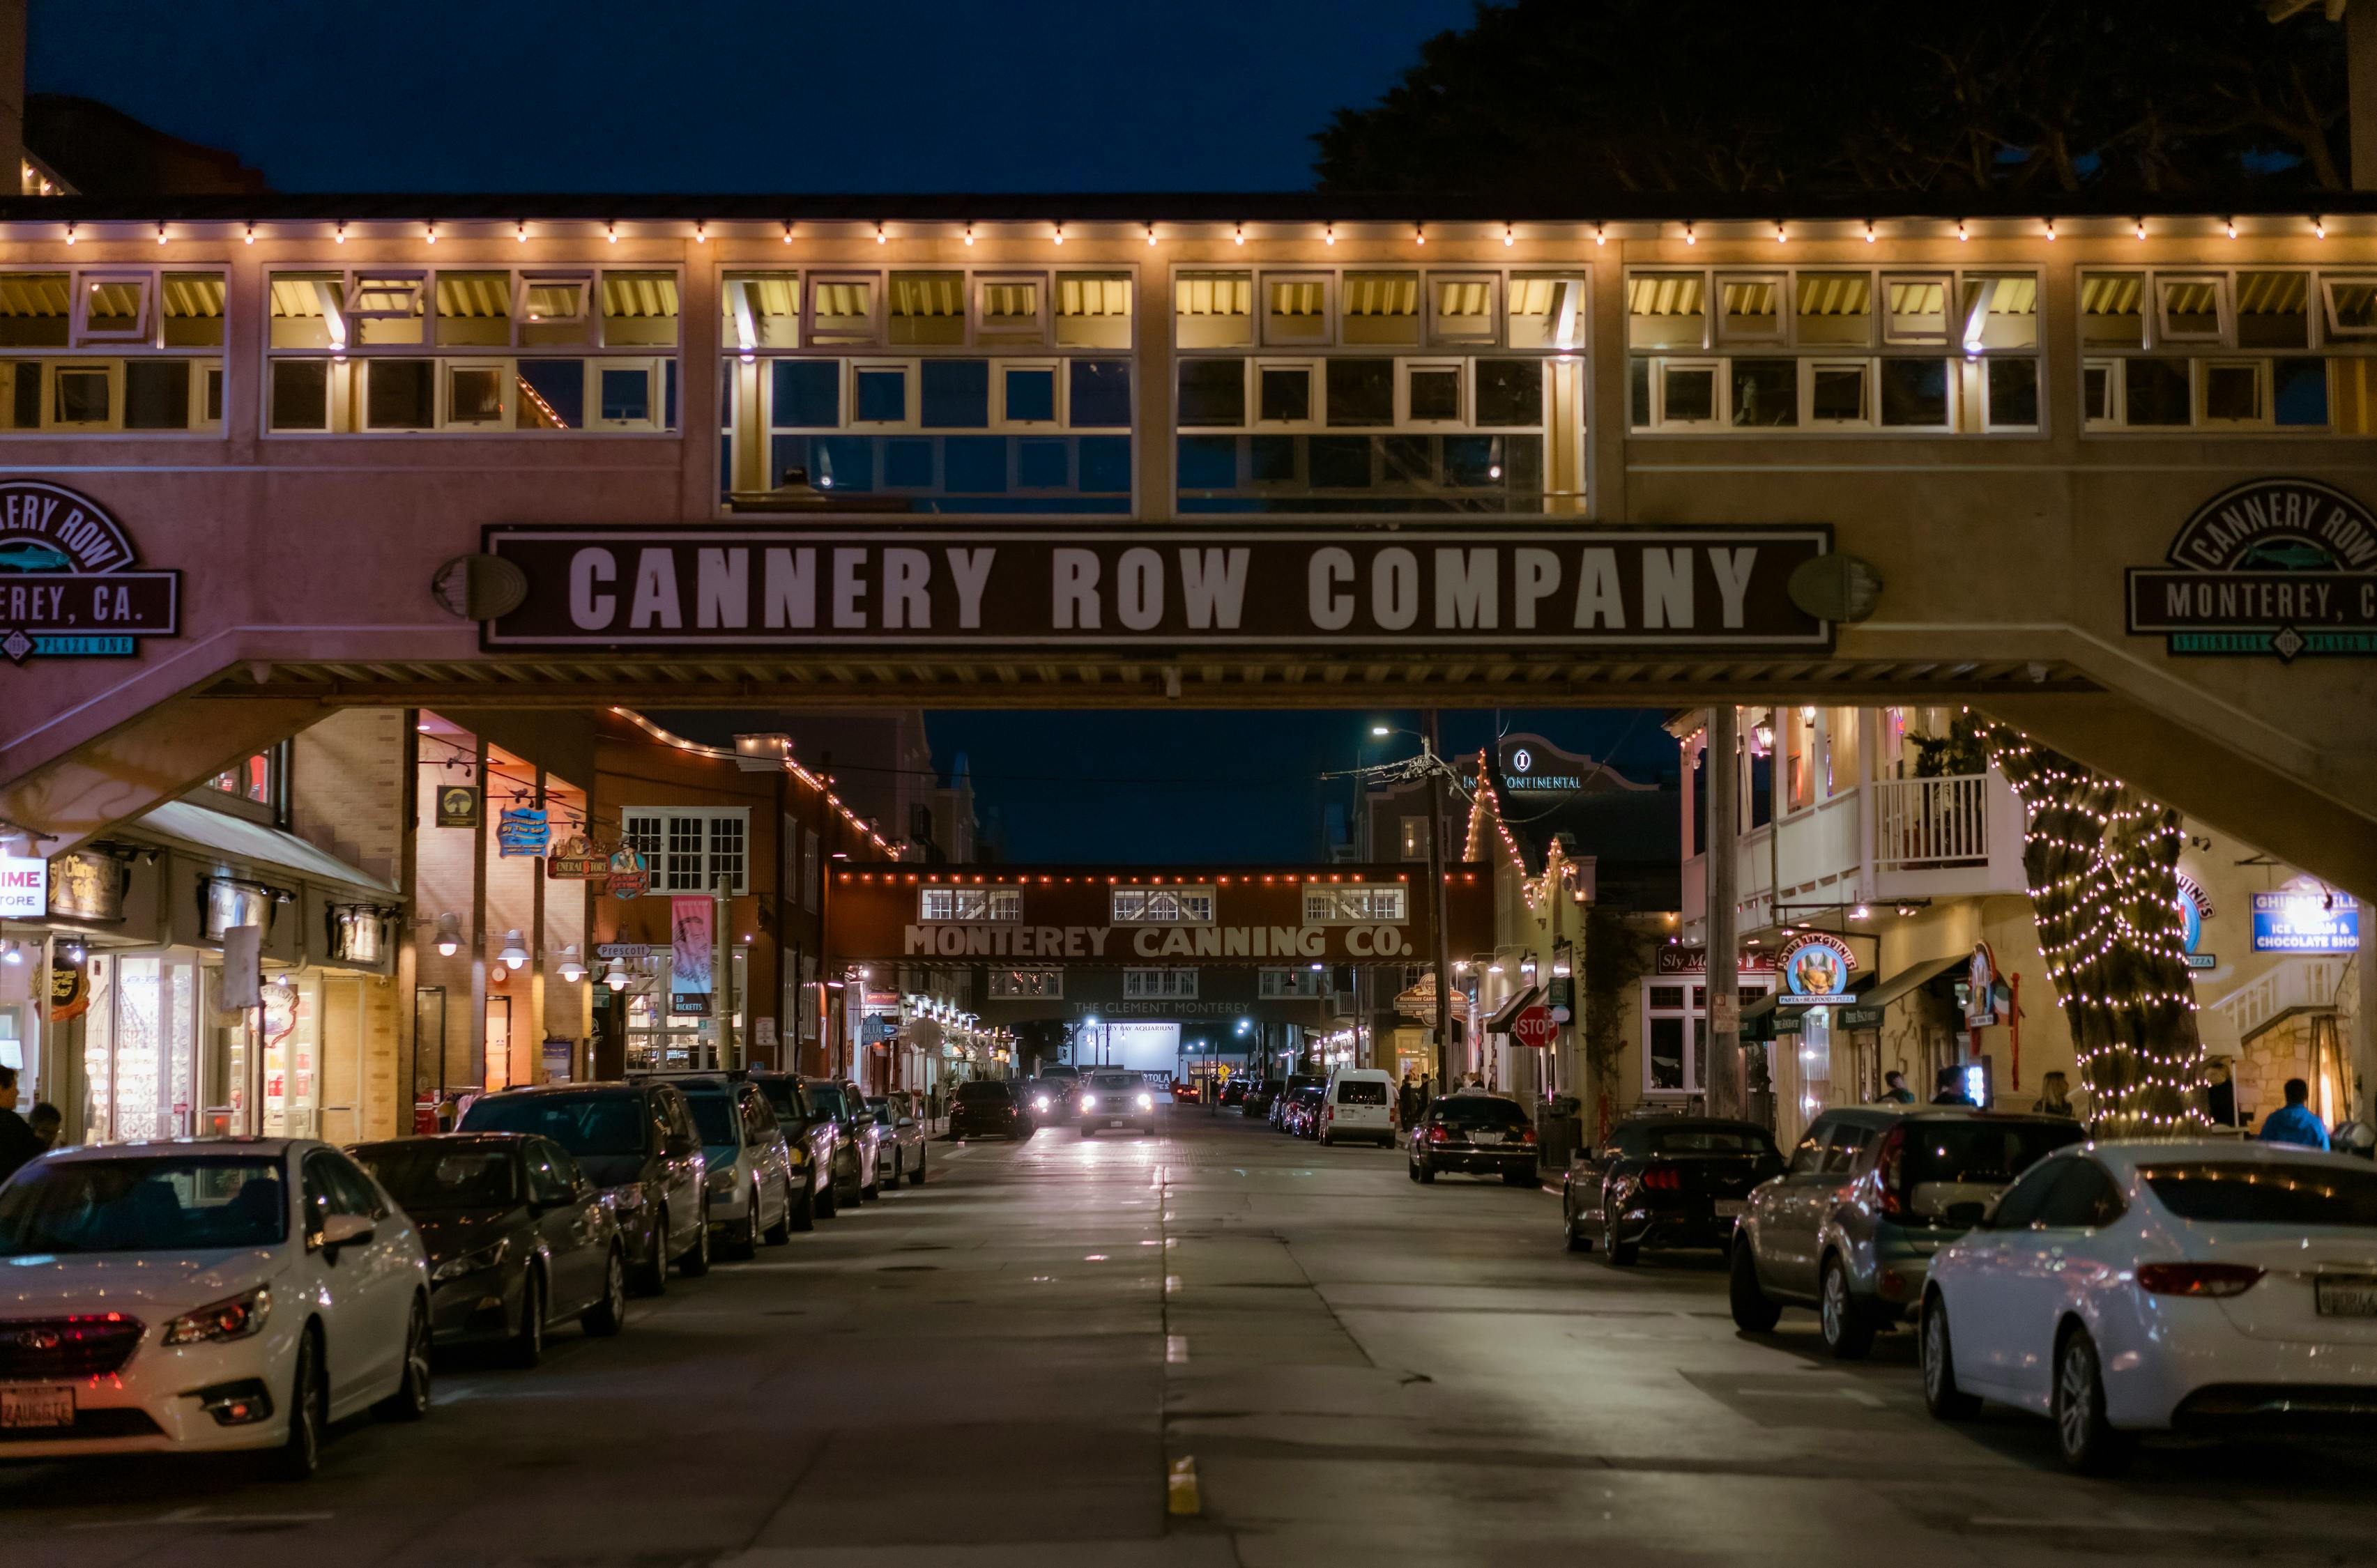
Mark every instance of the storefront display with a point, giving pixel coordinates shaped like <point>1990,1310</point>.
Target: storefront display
<point>139,1046</point>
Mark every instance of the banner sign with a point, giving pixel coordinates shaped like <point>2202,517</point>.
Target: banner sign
<point>2284,567</point>
<point>758,585</point>
<point>576,860</point>
<point>1815,966</point>
<point>1674,959</point>
<point>523,830</point>
<point>691,932</point>
<point>24,886</point>
<point>67,587</point>
<point>2306,921</point>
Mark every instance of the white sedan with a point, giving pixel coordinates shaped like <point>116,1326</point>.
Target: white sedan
<point>2122,1288</point>
<point>186,1297</point>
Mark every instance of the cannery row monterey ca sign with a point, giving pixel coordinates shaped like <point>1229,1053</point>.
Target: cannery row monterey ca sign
<point>755,587</point>
<point>2286,567</point>
<point>67,582</point>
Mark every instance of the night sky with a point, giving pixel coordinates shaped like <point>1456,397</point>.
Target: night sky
<point>742,95</point>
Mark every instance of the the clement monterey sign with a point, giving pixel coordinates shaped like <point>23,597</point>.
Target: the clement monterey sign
<point>2276,566</point>
<point>66,582</point>
<point>778,586</point>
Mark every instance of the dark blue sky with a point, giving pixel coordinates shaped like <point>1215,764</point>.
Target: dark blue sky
<point>742,95</point>
<point>1186,785</point>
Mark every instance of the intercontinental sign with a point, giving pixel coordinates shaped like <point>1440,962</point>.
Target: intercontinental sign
<point>789,587</point>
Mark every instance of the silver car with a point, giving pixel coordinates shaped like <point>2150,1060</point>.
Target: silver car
<point>750,1164</point>
<point>901,1134</point>
<point>1871,1192</point>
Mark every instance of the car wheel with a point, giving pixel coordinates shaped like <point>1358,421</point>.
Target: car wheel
<point>781,1231</point>
<point>695,1262</point>
<point>1941,1396</point>
<point>1412,1168</point>
<point>1620,1254</point>
<point>300,1453</point>
<point>411,1400</point>
<point>2091,1446</point>
<point>1578,1241</point>
<point>1427,1172</point>
<point>651,1276</point>
<point>916,1176</point>
<point>802,1215</point>
<point>1848,1327</point>
<point>527,1347</point>
<point>743,1240</point>
<point>1754,1312</point>
<point>825,1199</point>
<point>609,1315</point>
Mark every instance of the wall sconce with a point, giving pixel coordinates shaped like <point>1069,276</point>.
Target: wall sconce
<point>1761,734</point>
<point>514,951</point>
<point>617,979</point>
<point>449,935</point>
<point>570,968</point>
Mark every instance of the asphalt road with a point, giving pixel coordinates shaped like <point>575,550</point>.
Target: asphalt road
<point>1002,1368</point>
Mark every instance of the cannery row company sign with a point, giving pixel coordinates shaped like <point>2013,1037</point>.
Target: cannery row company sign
<point>2286,567</point>
<point>778,586</point>
<point>67,582</point>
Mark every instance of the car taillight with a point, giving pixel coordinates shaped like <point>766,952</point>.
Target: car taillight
<point>1888,1161</point>
<point>1329,1114</point>
<point>1528,1136</point>
<point>2197,1279</point>
<point>1664,1179</point>
<point>1436,1134</point>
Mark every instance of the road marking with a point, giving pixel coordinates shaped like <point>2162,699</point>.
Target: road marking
<point>1854,1395</point>
<point>199,1516</point>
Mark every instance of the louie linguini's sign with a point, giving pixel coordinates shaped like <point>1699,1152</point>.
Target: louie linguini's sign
<point>2275,566</point>
<point>68,585</point>
<point>779,586</point>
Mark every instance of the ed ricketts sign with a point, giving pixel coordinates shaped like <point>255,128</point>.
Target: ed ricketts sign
<point>778,586</point>
<point>2275,566</point>
<point>67,587</point>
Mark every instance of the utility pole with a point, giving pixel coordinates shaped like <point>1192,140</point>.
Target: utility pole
<point>1435,896</point>
<point>1722,1080</point>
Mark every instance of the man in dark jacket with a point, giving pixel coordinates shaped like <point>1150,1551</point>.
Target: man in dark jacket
<point>18,1143</point>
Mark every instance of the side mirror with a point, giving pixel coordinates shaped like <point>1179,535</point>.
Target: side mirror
<point>907,1120</point>
<point>678,1147</point>
<point>344,1230</point>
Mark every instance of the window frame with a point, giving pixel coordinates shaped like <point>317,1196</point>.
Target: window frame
<point>1868,415</point>
<point>1888,336</point>
<point>1027,985</point>
<point>911,369</point>
<point>1059,411</point>
<point>506,394</point>
<point>1159,983</point>
<point>1327,280</point>
<point>1786,306</point>
<point>660,862</point>
<point>1463,421</point>
<point>1335,913</point>
<point>146,322</point>
<point>872,337</point>
<point>1000,905</point>
<point>1434,334</point>
<point>982,334</point>
<point>2329,328</point>
<point>2224,330</point>
<point>1692,1012</point>
<point>1183,892</point>
<point>1316,397</point>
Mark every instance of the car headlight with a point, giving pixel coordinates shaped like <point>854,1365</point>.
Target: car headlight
<point>237,1318</point>
<point>1089,1103</point>
<point>722,1180</point>
<point>627,1200</point>
<point>470,1262</point>
<point>1040,1104</point>
<point>1147,1102</point>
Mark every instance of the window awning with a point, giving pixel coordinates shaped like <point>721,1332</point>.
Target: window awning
<point>1908,979</point>
<point>189,825</point>
<point>1526,997</point>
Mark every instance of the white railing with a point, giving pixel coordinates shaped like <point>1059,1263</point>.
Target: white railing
<point>2286,986</point>
<point>1932,822</point>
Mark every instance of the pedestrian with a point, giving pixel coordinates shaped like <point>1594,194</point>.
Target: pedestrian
<point>2295,1123</point>
<point>1894,1090</point>
<point>2056,1097</point>
<point>17,1144</point>
<point>47,1123</point>
<point>1407,1100</point>
<point>1952,1088</point>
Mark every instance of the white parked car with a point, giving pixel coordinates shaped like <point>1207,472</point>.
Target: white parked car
<point>185,1297</point>
<point>2131,1286</point>
<point>1359,1106</point>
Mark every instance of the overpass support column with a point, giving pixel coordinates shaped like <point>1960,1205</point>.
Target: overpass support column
<point>1720,1068</point>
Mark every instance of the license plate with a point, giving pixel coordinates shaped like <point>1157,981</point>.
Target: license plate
<point>1115,1121</point>
<point>37,1406</point>
<point>1485,1138</point>
<point>1729,1208</point>
<point>2351,1295</point>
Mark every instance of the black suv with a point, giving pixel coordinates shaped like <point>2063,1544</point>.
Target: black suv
<point>638,1143</point>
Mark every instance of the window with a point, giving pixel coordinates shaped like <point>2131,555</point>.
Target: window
<point>1093,310</point>
<point>1834,309</point>
<point>760,310</point>
<point>1750,308</point>
<point>929,308</point>
<point>1295,308</point>
<point>1273,985</point>
<point>1675,1031</point>
<point>2085,1197</point>
<point>1414,837</point>
<point>1666,310</point>
<point>1355,903</point>
<point>255,782</point>
<point>1010,310</point>
<point>125,326</point>
<point>2221,350</point>
<point>1164,906</point>
<point>1213,310</point>
<point>1547,311</point>
<point>971,904</point>
<point>691,849</point>
<point>1383,308</point>
<point>1027,983</point>
<point>1165,984</point>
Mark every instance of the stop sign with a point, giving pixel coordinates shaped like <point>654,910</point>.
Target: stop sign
<point>1533,1026</point>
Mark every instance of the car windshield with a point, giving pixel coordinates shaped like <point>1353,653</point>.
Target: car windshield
<point>171,1203</point>
<point>784,1098</point>
<point>1116,1083</point>
<point>582,1123</point>
<point>714,1118</point>
<point>1949,1162</point>
<point>434,1174</point>
<point>1478,1110</point>
<point>2254,1193</point>
<point>827,1097</point>
<point>982,1093</point>
<point>1708,1140</point>
<point>1362,1091</point>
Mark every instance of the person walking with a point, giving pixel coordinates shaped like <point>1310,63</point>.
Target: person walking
<point>47,1123</point>
<point>1894,1090</point>
<point>2056,1097</point>
<point>1951,1088</point>
<point>17,1144</point>
<point>2295,1123</point>
<point>1407,1101</point>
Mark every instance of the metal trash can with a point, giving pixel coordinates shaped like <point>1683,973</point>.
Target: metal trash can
<point>1559,1130</point>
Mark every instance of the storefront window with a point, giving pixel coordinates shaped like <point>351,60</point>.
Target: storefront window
<point>659,1040</point>
<point>1675,1031</point>
<point>292,1046</point>
<point>140,1048</point>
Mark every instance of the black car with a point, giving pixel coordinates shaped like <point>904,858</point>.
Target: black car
<point>1235,1092</point>
<point>639,1143</point>
<point>854,1149</point>
<point>517,1237</point>
<point>1260,1099</point>
<point>1664,1181</point>
<point>816,1142</point>
<point>990,1107</point>
<point>1277,1110</point>
<point>1482,1134</point>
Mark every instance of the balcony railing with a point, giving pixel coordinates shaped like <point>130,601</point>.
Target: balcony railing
<point>1922,824</point>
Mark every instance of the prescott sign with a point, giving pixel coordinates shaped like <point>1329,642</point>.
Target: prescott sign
<point>789,587</point>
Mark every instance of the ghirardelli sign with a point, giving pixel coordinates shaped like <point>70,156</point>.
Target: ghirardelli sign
<point>67,587</point>
<point>2286,567</point>
<point>789,587</point>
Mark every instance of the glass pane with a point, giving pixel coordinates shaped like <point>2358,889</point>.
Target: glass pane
<point>1691,394</point>
<point>1295,309</point>
<point>1213,392</point>
<point>1384,307</point>
<point>1214,309</point>
<point>1914,392</point>
<point>398,395</point>
<point>2097,392</point>
<point>309,311</point>
<point>955,393</point>
<point>81,396</point>
<point>1010,308</point>
<point>1093,310</point>
<point>2191,307</point>
<point>1765,392</point>
<point>1361,392</point>
<point>2274,310</point>
<point>2013,393</point>
<point>881,396</point>
<point>2352,305</point>
<point>474,307</point>
<point>639,310</point>
<point>156,394</point>
<point>927,308</point>
<point>1436,396</point>
<point>843,310</point>
<point>2232,392</point>
<point>33,310</point>
<point>1835,308</point>
<point>1638,394</point>
<point>2155,391</point>
<point>1748,310</point>
<point>1286,395</point>
<point>2298,392</point>
<point>1029,395</point>
<point>1837,393</point>
<point>553,311</point>
<point>1547,311</point>
<point>1098,396</point>
<point>1510,392</point>
<point>1666,310</point>
<point>474,394</point>
<point>2112,310</point>
<point>388,310</point>
<point>301,394</point>
<point>1999,313</point>
<point>626,395</point>
<point>1919,309</point>
<point>761,310</point>
<point>807,394</point>
<point>192,305</point>
<point>552,395</point>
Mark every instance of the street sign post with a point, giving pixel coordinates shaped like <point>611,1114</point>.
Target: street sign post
<point>1534,1026</point>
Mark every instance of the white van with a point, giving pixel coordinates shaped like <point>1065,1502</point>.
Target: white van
<point>1359,1104</point>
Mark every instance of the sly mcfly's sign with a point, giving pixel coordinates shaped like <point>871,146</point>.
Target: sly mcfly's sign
<point>758,587</point>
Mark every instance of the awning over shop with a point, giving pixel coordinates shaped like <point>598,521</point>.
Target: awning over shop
<point>1907,980</point>
<point>1526,997</point>
<point>219,832</point>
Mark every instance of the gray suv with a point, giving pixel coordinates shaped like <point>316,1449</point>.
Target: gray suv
<point>1871,1192</point>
